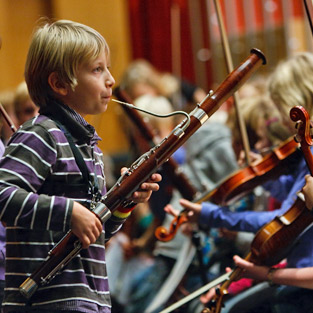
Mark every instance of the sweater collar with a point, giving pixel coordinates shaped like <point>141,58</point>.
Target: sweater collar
<point>78,127</point>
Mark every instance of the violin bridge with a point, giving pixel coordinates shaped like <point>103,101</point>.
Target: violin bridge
<point>284,220</point>
<point>301,196</point>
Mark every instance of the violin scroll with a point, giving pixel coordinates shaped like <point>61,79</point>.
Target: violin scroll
<point>165,235</point>
<point>299,115</point>
<point>162,234</point>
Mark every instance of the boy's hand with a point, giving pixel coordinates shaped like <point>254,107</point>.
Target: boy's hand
<point>144,193</point>
<point>207,297</point>
<point>85,225</point>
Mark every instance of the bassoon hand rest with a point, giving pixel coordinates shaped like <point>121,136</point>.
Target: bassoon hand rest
<point>141,170</point>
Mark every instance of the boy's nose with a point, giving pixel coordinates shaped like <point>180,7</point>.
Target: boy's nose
<point>110,81</point>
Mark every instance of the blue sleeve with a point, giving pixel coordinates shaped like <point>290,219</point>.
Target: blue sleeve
<point>214,216</point>
<point>250,221</point>
<point>280,188</point>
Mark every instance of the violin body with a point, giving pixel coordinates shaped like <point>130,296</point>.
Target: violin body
<point>270,245</point>
<point>240,183</point>
<point>245,180</point>
<point>163,234</point>
<point>274,240</point>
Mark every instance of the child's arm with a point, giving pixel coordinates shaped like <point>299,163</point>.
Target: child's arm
<point>87,226</point>
<point>300,277</point>
<point>28,160</point>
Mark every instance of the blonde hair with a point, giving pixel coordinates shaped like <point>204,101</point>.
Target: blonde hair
<point>141,71</point>
<point>60,47</point>
<point>6,99</point>
<point>254,110</point>
<point>291,83</point>
<point>20,97</point>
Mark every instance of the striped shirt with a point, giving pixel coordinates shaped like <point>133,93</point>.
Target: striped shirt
<point>39,179</point>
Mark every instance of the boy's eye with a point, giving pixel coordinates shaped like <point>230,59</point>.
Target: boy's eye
<point>98,69</point>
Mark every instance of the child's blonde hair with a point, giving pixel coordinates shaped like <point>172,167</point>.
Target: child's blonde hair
<point>141,71</point>
<point>254,110</point>
<point>60,47</point>
<point>20,97</point>
<point>291,83</point>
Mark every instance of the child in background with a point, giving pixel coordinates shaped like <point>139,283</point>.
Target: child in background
<point>141,78</point>
<point>24,107</point>
<point>6,99</point>
<point>44,190</point>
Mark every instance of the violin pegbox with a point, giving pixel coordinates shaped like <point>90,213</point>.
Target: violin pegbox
<point>298,113</point>
<point>301,117</point>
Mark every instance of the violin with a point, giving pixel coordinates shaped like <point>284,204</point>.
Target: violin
<point>245,180</point>
<point>273,241</point>
<point>162,234</point>
<point>239,183</point>
<point>269,246</point>
<point>299,115</point>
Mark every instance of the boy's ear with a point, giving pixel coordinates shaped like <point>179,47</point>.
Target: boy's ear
<point>57,85</point>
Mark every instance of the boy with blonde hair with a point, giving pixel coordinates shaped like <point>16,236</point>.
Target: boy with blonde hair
<point>52,169</point>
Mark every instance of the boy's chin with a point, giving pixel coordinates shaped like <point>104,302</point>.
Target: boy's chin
<point>104,108</point>
<point>100,109</point>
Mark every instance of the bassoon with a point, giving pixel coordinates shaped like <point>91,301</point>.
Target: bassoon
<point>140,171</point>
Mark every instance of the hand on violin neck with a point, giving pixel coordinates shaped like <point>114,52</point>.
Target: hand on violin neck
<point>207,297</point>
<point>308,191</point>
<point>170,210</point>
<point>212,293</point>
<point>251,270</point>
<point>190,210</point>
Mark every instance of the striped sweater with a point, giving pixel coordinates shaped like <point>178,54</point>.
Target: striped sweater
<point>39,179</point>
